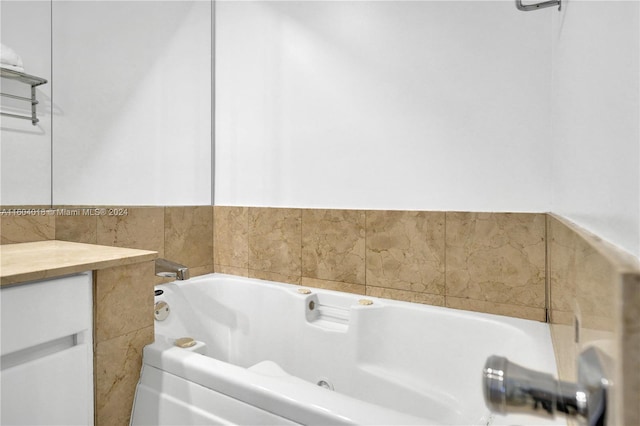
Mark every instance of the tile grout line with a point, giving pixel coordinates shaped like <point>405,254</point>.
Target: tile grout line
<point>365,253</point>
<point>547,275</point>
<point>446,293</point>
<point>248,237</point>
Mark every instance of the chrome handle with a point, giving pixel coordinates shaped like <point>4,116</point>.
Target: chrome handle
<point>536,6</point>
<point>511,388</point>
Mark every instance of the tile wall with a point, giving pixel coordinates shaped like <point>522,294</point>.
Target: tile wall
<point>123,326</point>
<point>595,301</point>
<point>488,262</point>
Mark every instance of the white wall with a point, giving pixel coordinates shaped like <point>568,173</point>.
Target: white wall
<point>132,81</point>
<point>392,105</point>
<point>25,150</point>
<point>596,119</point>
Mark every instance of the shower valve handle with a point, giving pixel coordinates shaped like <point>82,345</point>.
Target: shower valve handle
<point>511,388</point>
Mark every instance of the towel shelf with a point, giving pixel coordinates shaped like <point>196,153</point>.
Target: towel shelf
<point>32,81</point>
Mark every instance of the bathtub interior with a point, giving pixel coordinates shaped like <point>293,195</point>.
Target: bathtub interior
<point>422,361</point>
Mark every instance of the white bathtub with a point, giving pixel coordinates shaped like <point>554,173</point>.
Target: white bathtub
<point>389,363</point>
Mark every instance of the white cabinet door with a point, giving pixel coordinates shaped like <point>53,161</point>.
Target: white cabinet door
<point>46,363</point>
<point>50,390</point>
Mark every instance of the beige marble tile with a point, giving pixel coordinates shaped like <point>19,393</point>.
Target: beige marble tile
<point>517,311</point>
<point>333,285</point>
<point>275,276</point>
<point>275,241</point>
<point>231,244</point>
<point>117,370</point>
<point>123,300</point>
<point>406,296</point>
<point>188,237</point>
<point>496,257</point>
<point>405,250</point>
<point>24,229</point>
<point>333,245</point>
<point>561,317</point>
<point>79,229</point>
<point>630,347</point>
<point>582,280</point>
<point>563,253</point>
<point>231,270</point>
<point>141,228</point>
<point>594,298</point>
<point>600,285</point>
<point>201,270</point>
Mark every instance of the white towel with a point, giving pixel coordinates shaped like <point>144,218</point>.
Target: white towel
<point>10,59</point>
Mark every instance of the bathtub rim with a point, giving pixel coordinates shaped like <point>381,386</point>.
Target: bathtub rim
<point>265,392</point>
<point>515,322</point>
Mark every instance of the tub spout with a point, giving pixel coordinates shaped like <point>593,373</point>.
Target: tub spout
<point>169,269</point>
<point>510,388</point>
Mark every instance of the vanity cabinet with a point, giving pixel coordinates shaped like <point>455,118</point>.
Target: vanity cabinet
<point>46,349</point>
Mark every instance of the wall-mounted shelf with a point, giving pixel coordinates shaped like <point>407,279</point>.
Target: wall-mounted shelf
<point>32,81</point>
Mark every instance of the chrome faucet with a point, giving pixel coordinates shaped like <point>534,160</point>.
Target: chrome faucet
<point>169,269</point>
<point>510,388</point>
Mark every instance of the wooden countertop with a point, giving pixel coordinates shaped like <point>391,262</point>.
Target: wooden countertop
<point>47,259</point>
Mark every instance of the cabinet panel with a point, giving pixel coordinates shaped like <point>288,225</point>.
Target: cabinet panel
<point>52,390</point>
<point>46,362</point>
<point>42,311</point>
